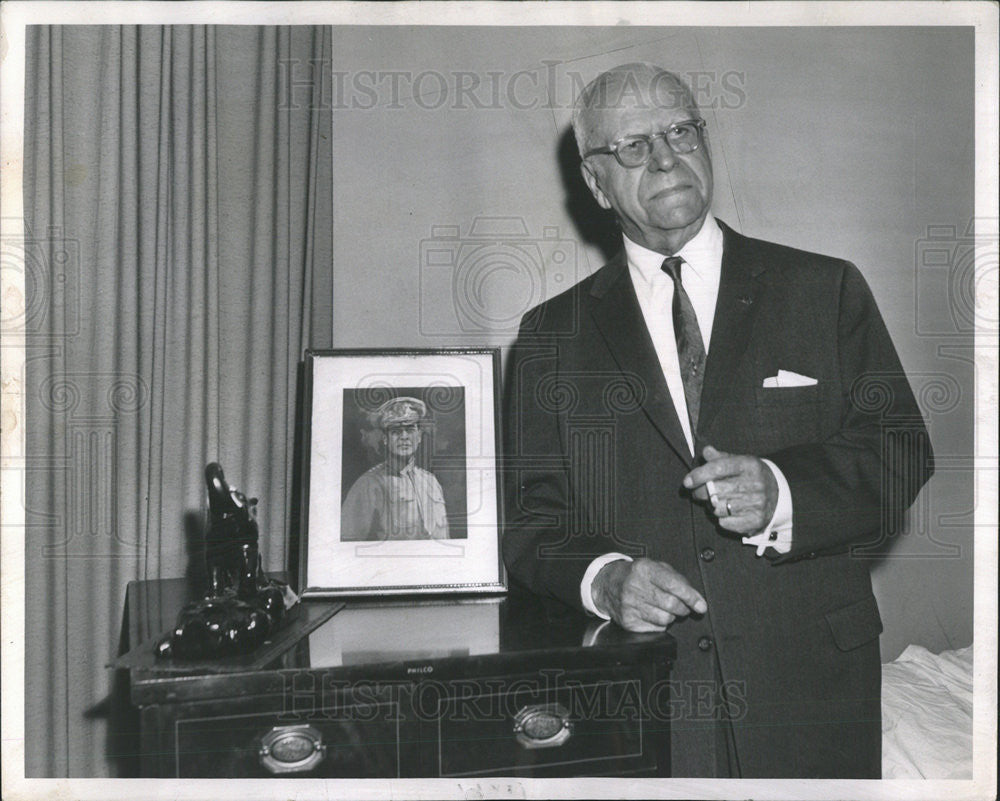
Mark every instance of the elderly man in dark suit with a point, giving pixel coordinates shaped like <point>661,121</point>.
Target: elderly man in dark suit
<point>698,432</point>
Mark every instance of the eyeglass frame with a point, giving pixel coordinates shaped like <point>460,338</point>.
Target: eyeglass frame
<point>612,149</point>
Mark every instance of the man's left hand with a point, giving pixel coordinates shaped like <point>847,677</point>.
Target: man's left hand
<point>741,490</point>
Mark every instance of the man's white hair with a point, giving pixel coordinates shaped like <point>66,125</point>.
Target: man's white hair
<point>634,80</point>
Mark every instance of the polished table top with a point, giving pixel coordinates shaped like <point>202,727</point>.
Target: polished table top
<point>384,639</point>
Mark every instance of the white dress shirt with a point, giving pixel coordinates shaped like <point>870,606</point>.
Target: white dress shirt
<point>700,275</point>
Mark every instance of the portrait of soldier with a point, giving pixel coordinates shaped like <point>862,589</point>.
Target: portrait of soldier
<point>396,499</point>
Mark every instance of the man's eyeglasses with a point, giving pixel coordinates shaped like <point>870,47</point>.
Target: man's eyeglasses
<point>635,150</point>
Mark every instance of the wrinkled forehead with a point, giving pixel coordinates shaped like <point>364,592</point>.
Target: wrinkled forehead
<point>629,102</point>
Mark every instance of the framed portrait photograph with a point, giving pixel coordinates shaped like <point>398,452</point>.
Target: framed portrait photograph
<point>400,479</point>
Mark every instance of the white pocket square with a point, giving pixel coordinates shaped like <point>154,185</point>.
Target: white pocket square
<point>786,378</point>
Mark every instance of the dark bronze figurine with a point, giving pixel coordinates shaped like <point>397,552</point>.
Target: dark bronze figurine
<point>232,524</point>
<point>242,606</point>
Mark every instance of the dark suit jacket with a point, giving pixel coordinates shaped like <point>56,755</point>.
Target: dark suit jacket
<point>596,457</point>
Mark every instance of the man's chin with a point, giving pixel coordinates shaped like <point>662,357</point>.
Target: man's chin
<point>678,218</point>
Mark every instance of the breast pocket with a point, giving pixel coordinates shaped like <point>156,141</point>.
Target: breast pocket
<point>788,415</point>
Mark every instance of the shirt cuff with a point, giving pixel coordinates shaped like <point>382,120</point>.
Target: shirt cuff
<point>778,533</point>
<point>588,579</point>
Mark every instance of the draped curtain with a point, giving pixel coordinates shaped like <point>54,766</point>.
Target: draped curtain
<point>177,214</point>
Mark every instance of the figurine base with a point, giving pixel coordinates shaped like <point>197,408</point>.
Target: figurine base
<point>298,623</point>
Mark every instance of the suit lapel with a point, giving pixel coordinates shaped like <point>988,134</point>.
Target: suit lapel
<point>616,313</point>
<point>740,288</point>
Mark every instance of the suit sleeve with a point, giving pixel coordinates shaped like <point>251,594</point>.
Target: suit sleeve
<point>539,546</point>
<point>860,480</point>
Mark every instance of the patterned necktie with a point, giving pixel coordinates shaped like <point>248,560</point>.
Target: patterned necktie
<point>690,346</point>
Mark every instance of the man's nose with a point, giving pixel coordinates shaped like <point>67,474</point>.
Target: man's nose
<point>661,155</point>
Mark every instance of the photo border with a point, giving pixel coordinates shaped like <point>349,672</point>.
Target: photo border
<point>981,16</point>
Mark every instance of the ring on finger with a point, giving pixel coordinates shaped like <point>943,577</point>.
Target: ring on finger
<point>729,509</point>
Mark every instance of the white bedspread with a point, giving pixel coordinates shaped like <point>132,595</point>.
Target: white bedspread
<point>927,715</point>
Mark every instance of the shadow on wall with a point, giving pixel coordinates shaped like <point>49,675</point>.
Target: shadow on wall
<point>594,225</point>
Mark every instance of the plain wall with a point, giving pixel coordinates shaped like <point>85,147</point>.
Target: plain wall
<point>458,206</point>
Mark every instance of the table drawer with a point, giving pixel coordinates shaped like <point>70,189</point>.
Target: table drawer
<point>584,725</point>
<point>349,740</point>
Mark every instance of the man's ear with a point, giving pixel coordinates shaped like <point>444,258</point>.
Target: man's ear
<point>593,184</point>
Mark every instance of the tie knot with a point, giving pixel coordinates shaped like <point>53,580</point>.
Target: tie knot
<point>672,267</point>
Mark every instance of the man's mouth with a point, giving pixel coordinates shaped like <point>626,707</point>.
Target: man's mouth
<point>670,190</point>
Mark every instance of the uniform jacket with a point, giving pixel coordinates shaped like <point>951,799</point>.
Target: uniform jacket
<point>596,457</point>
<point>383,504</point>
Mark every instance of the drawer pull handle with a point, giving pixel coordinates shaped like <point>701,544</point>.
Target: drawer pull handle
<point>291,749</point>
<point>542,726</point>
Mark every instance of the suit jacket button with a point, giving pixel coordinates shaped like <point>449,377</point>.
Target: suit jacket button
<point>707,554</point>
<point>705,643</point>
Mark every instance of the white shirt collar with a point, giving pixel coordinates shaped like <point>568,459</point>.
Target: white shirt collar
<point>703,254</point>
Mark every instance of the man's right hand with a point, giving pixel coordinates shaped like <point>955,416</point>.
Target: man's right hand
<point>644,595</point>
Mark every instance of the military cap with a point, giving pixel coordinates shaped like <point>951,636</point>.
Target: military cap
<point>401,411</point>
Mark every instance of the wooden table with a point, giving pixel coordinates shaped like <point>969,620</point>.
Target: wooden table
<point>500,686</point>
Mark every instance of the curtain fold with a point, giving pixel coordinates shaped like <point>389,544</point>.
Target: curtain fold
<point>177,203</point>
